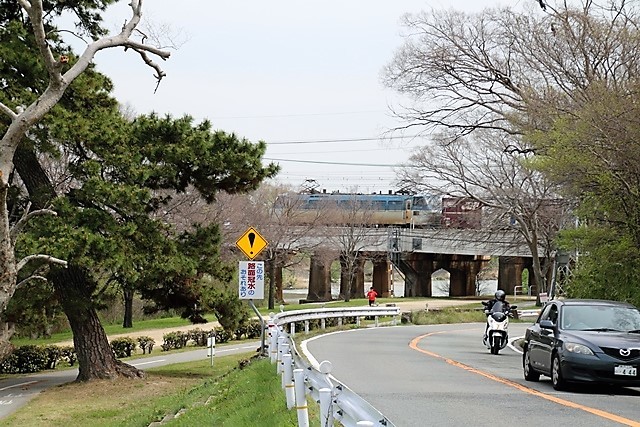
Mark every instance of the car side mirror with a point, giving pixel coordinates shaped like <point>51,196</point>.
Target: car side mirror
<point>547,324</point>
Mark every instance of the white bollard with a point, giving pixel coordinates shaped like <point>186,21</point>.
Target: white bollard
<point>326,411</point>
<point>285,351</point>
<point>279,360</point>
<point>301,398</point>
<point>289,388</point>
<point>273,344</point>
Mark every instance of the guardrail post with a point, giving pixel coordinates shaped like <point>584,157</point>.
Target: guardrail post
<point>292,329</point>
<point>326,411</point>
<point>285,352</point>
<point>375,320</point>
<point>358,321</point>
<point>301,398</point>
<point>289,390</point>
<point>281,339</point>
<point>323,323</point>
<point>306,326</point>
<point>273,343</point>
<point>339,321</point>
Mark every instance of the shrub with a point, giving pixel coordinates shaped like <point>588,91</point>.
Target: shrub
<point>199,337</point>
<point>25,360</point>
<point>146,344</point>
<point>174,340</point>
<point>222,335</point>
<point>54,354</point>
<point>123,347</point>
<point>69,353</point>
<point>9,365</point>
<point>254,329</point>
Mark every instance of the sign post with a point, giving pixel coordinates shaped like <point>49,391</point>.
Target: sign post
<point>211,347</point>
<point>251,273</point>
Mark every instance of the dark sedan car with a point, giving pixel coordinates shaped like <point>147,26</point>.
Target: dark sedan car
<point>584,341</point>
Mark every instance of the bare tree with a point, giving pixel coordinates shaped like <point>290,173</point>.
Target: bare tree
<point>354,236</point>
<point>292,231</point>
<point>509,70</point>
<point>487,81</point>
<point>514,196</point>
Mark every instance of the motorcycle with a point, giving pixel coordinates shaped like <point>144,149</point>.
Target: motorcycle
<point>496,337</point>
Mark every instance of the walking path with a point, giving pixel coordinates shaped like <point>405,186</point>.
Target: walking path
<point>430,303</point>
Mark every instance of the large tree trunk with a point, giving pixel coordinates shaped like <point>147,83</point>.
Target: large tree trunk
<point>127,322</point>
<point>34,177</point>
<point>271,271</point>
<point>40,193</point>
<point>95,357</point>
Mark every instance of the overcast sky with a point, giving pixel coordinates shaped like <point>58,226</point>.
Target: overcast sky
<point>286,72</point>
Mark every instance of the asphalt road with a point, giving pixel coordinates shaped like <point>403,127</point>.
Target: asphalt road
<point>15,392</point>
<point>443,375</point>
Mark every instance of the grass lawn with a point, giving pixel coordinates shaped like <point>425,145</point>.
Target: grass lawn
<point>222,395</point>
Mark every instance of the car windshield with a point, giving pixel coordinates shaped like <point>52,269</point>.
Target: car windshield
<point>600,318</point>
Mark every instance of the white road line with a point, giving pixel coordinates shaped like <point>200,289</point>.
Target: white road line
<point>235,349</point>
<point>18,385</point>
<point>148,363</point>
<point>513,347</point>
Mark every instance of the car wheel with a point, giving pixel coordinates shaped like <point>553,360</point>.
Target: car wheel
<point>529,373</point>
<point>556,374</point>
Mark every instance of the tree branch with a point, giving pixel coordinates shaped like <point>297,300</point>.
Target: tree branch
<point>8,111</point>
<point>18,226</point>
<point>39,257</point>
<point>29,279</point>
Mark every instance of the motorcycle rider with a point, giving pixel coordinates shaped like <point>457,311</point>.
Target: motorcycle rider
<point>501,296</point>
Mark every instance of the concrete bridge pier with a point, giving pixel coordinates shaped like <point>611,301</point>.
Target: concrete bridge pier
<point>463,270</point>
<point>417,269</point>
<point>382,277</point>
<point>510,273</point>
<point>319,280</point>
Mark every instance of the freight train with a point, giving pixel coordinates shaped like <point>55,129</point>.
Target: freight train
<point>401,210</point>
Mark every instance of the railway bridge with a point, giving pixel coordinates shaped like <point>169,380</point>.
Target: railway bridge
<point>418,253</point>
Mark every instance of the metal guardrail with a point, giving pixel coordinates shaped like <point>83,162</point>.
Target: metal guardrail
<point>528,313</point>
<point>337,402</point>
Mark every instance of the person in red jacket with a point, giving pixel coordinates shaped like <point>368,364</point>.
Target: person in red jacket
<point>372,294</point>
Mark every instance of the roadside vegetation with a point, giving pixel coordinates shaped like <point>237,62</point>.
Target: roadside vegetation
<point>225,394</point>
<point>236,391</point>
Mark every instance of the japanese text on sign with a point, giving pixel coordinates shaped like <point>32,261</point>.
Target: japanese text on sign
<point>251,279</point>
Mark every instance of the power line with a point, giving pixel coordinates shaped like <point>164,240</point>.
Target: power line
<point>336,151</point>
<point>334,163</point>
<point>269,116</point>
<point>323,141</point>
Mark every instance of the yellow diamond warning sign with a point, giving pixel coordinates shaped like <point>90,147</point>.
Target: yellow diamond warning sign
<point>251,243</point>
